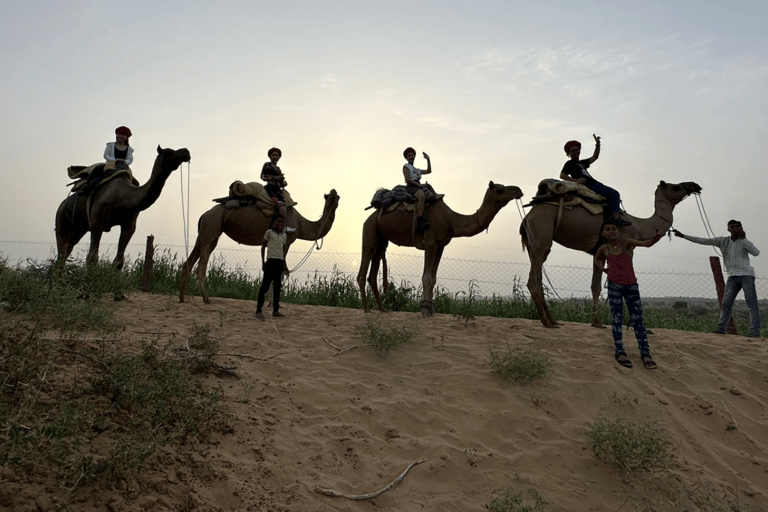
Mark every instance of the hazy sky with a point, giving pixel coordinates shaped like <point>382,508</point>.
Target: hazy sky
<point>491,90</point>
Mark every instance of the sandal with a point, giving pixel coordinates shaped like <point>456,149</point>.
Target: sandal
<point>626,363</point>
<point>649,363</point>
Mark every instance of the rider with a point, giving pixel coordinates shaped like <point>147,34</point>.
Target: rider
<point>119,154</point>
<point>576,170</point>
<point>275,179</point>
<point>413,185</point>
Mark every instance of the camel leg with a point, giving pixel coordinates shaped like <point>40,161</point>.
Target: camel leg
<point>435,264</point>
<point>93,250</point>
<point>372,280</point>
<point>186,270</point>
<point>68,233</point>
<point>597,286</point>
<point>126,233</point>
<point>536,288</point>
<point>202,268</point>
<point>432,254</point>
<point>370,257</point>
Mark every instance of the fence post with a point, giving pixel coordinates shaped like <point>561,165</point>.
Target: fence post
<point>717,273</point>
<point>146,278</point>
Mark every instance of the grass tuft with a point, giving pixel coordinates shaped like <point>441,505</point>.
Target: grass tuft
<point>519,365</point>
<point>630,446</point>
<point>385,336</point>
<point>511,501</point>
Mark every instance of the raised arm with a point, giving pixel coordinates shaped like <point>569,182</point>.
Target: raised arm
<point>596,154</point>
<point>645,243</point>
<point>428,170</point>
<point>697,240</point>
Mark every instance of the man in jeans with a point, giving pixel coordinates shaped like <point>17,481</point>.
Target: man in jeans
<point>736,250</point>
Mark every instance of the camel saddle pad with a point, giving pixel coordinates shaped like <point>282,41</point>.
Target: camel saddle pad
<point>391,200</point>
<point>79,172</point>
<point>82,176</point>
<point>256,190</point>
<point>561,188</point>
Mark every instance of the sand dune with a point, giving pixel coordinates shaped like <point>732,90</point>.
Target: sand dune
<point>353,422</point>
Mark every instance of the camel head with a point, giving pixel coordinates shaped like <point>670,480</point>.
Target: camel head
<point>170,159</point>
<point>675,193</point>
<point>500,195</point>
<point>331,200</point>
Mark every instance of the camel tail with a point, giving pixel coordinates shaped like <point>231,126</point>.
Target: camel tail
<point>524,237</point>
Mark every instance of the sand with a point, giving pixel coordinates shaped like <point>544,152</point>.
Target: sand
<point>308,416</point>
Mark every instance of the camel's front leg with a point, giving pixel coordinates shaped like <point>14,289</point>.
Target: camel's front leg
<point>597,286</point>
<point>126,233</point>
<point>93,250</point>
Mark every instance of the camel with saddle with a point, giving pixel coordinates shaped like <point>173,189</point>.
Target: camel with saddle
<point>395,221</point>
<point>244,216</point>
<point>571,215</point>
<point>115,199</point>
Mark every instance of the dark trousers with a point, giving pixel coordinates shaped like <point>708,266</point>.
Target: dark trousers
<point>611,194</point>
<point>617,294</point>
<point>273,273</point>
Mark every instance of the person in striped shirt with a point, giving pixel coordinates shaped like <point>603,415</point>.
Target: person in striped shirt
<point>741,276</point>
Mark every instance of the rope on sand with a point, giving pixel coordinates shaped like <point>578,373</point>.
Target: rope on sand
<point>336,494</point>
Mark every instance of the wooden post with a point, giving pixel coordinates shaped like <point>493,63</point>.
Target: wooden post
<point>717,273</point>
<point>146,278</point>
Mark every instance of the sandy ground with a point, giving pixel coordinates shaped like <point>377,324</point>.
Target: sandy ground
<point>306,416</point>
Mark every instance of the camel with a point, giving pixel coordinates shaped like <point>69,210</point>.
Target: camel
<point>247,226</point>
<point>579,229</point>
<point>116,202</point>
<point>397,226</point>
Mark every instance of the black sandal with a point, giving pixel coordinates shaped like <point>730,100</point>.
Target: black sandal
<point>649,363</point>
<point>626,363</point>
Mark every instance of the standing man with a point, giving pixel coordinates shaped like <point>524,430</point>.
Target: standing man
<point>736,250</point>
<point>273,266</point>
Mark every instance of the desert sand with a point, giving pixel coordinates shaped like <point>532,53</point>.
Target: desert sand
<point>306,415</point>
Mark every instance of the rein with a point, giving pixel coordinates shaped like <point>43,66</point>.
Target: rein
<point>185,216</point>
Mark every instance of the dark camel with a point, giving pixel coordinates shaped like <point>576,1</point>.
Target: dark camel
<point>117,202</point>
<point>247,226</point>
<point>445,224</point>
<point>580,230</point>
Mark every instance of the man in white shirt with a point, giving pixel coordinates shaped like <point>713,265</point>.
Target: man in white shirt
<point>741,276</point>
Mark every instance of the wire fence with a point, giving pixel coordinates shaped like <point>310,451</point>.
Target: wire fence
<point>487,278</point>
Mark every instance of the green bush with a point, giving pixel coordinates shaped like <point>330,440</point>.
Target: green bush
<point>629,446</point>
<point>520,365</point>
<point>511,501</point>
<point>385,336</point>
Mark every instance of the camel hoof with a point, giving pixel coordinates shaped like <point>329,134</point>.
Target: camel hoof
<point>598,325</point>
<point>427,313</point>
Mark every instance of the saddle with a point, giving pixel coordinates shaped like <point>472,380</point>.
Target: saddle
<point>399,198</point>
<point>242,195</point>
<point>570,193</point>
<point>89,178</point>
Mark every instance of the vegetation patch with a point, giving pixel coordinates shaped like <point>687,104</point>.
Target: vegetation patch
<point>521,366</point>
<point>385,336</point>
<point>630,446</point>
<point>514,501</point>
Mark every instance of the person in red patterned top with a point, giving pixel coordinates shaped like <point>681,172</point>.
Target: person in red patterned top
<point>622,286</point>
